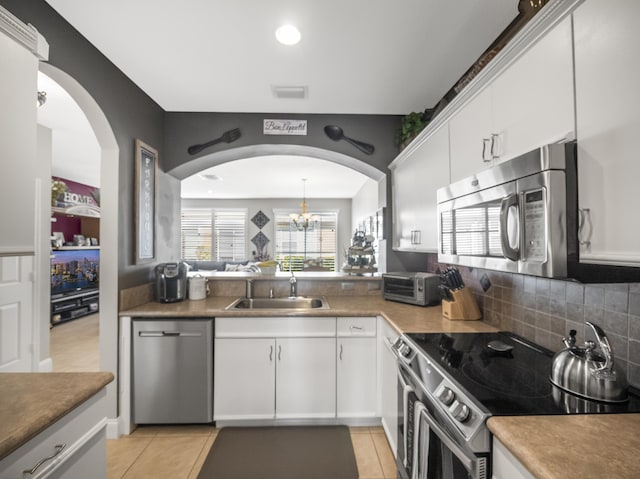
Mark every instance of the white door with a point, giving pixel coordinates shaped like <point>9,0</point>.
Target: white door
<point>357,391</point>
<point>244,379</point>
<point>306,378</point>
<point>16,294</point>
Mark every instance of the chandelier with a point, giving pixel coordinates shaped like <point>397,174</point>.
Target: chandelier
<point>303,221</point>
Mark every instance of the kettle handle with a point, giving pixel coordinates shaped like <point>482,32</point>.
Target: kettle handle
<point>605,347</point>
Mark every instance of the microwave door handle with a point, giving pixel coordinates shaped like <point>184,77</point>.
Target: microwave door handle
<point>506,203</point>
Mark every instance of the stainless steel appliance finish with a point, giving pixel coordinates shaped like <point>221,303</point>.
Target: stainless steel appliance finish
<point>420,289</point>
<point>587,372</point>
<point>464,378</point>
<point>171,282</point>
<point>441,432</point>
<point>172,371</point>
<point>518,216</point>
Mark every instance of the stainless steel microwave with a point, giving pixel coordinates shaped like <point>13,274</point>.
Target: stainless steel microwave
<point>413,288</point>
<point>518,216</point>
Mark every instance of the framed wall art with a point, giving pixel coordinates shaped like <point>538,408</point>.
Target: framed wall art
<point>146,160</point>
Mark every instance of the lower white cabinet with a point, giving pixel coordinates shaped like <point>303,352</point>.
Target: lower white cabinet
<point>356,367</point>
<point>505,465</point>
<point>274,368</point>
<point>388,365</point>
<point>74,447</point>
<point>295,368</point>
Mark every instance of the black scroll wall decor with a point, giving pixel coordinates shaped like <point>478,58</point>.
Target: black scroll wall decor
<point>336,134</point>
<point>227,137</point>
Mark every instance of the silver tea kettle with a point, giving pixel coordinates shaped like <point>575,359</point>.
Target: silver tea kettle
<point>588,372</point>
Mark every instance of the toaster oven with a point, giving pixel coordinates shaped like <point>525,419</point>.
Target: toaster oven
<point>420,289</point>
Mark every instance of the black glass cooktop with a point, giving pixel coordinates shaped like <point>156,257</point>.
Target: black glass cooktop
<point>508,375</point>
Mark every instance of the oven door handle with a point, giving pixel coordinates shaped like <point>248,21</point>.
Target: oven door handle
<point>406,389</point>
<point>468,462</point>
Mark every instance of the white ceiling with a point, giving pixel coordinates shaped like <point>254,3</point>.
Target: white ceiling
<point>275,177</point>
<point>356,56</point>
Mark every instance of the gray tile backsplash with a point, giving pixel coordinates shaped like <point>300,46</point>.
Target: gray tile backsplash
<point>544,311</point>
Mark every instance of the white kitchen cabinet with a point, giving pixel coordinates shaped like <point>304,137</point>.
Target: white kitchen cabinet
<point>415,181</point>
<point>305,378</point>
<point>244,378</point>
<point>274,368</point>
<point>388,389</point>
<point>83,434</point>
<point>356,367</point>
<point>608,122</point>
<point>528,105</point>
<point>505,465</point>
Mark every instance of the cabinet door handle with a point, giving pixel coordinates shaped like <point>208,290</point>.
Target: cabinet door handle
<point>58,449</point>
<point>494,146</point>
<point>484,150</point>
<point>279,352</point>
<point>341,352</point>
<point>585,217</point>
<point>270,353</point>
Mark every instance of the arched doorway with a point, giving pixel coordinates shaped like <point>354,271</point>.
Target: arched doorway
<point>109,180</point>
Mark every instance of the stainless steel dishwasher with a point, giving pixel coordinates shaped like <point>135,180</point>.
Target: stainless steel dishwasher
<point>172,371</point>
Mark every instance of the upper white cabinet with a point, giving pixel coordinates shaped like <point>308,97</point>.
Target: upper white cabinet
<point>528,105</point>
<point>415,181</point>
<point>608,125</point>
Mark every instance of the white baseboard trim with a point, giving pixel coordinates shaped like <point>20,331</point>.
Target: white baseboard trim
<point>112,428</point>
<point>45,366</point>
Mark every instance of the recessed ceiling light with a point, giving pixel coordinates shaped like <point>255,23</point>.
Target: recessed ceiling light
<point>288,35</point>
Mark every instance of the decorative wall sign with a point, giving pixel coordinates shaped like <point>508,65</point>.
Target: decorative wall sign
<point>260,219</point>
<point>284,127</point>
<point>146,166</point>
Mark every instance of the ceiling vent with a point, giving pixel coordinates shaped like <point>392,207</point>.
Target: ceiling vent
<point>295,92</point>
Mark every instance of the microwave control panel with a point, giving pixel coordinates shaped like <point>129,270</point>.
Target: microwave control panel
<point>535,225</point>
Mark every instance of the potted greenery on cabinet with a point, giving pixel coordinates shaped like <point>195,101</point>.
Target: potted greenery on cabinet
<point>411,125</point>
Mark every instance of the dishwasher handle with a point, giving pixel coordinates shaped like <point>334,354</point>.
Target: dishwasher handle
<point>163,334</point>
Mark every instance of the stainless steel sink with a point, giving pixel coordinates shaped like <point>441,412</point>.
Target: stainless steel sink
<point>299,302</point>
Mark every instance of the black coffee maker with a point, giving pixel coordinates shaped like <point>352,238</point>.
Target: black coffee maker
<point>171,282</point>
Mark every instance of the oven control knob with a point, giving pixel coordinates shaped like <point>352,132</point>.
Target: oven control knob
<point>404,349</point>
<point>460,411</point>
<point>446,396</point>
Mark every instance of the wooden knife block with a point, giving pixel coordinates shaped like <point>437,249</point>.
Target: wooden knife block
<point>463,307</point>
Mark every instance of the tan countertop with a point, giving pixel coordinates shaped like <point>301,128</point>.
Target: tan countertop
<point>404,317</point>
<point>31,402</point>
<point>575,446</point>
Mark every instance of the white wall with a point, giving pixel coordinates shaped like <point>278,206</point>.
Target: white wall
<point>267,205</point>
<point>364,203</point>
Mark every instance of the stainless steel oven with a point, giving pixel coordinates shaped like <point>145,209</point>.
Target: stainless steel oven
<point>430,445</point>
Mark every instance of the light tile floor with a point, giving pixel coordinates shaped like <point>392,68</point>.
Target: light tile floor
<point>178,452</point>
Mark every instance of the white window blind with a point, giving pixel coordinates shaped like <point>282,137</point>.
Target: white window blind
<point>229,232</point>
<point>213,234</point>
<point>315,249</point>
<point>196,234</point>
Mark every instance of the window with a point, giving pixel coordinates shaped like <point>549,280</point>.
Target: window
<point>213,234</point>
<point>313,250</point>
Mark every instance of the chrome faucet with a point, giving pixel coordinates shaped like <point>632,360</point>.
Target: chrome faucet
<point>293,284</point>
<point>249,293</point>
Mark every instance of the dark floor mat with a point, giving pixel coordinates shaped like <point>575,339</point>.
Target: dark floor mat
<point>290,452</point>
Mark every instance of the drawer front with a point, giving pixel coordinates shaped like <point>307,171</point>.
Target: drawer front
<point>73,430</point>
<point>281,327</point>
<point>357,326</point>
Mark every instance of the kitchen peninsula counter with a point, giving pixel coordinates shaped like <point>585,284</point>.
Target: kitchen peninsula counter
<point>31,402</point>
<point>403,317</point>
<point>573,447</point>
